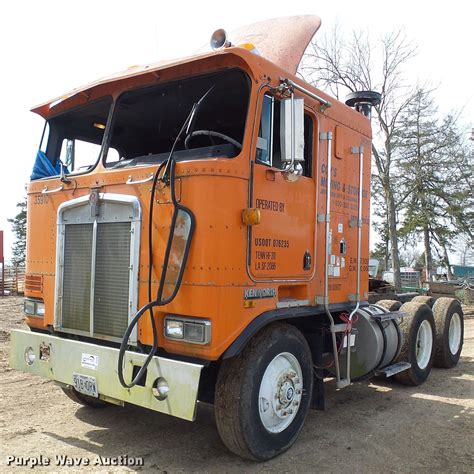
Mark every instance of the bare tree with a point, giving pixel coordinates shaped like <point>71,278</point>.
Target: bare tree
<point>465,252</point>
<point>356,63</point>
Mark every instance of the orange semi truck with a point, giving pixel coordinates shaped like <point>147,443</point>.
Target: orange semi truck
<point>198,231</point>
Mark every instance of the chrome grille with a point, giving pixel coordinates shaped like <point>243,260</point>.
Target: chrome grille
<point>112,273</point>
<point>97,266</point>
<point>77,276</point>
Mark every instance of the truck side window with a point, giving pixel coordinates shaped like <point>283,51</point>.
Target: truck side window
<point>81,155</point>
<point>265,134</point>
<point>268,140</point>
<point>75,136</point>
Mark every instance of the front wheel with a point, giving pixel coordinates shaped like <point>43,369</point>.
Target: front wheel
<point>84,400</point>
<point>263,394</point>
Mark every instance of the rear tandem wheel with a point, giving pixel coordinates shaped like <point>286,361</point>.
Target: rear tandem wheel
<point>449,321</point>
<point>428,300</point>
<point>389,305</point>
<point>418,329</point>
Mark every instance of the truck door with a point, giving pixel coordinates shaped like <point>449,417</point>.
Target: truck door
<point>282,246</point>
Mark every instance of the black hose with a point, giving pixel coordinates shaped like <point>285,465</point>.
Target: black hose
<point>168,176</point>
<point>149,306</point>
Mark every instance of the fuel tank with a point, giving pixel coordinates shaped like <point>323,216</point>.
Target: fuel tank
<point>377,343</point>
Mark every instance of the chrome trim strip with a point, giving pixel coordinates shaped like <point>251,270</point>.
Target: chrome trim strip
<point>135,230</point>
<point>92,293</point>
<point>292,303</point>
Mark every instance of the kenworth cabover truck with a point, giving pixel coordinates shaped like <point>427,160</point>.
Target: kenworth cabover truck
<point>198,231</point>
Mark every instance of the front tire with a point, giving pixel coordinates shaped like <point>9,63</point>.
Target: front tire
<point>263,394</point>
<point>84,400</point>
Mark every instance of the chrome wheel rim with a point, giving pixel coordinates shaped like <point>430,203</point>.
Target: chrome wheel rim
<point>424,344</point>
<point>281,390</point>
<point>454,333</point>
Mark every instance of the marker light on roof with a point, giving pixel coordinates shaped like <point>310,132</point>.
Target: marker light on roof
<point>251,47</point>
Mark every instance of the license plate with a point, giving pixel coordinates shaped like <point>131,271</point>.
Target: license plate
<point>85,384</point>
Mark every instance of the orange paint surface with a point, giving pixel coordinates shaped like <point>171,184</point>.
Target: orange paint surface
<point>219,268</point>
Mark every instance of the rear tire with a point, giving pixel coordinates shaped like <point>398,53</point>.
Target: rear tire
<point>449,320</point>
<point>389,305</point>
<point>84,400</point>
<point>418,330</point>
<point>428,300</point>
<point>263,395</point>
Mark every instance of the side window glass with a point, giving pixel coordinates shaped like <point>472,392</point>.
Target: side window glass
<point>308,146</point>
<point>44,138</point>
<point>265,134</point>
<point>79,155</point>
<point>268,141</point>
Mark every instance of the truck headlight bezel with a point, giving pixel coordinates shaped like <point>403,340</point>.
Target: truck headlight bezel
<point>193,330</point>
<point>33,307</point>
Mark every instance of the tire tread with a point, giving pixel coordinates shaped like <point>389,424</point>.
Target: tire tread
<point>231,378</point>
<point>441,309</point>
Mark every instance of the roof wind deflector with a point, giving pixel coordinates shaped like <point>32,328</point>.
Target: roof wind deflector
<point>282,41</point>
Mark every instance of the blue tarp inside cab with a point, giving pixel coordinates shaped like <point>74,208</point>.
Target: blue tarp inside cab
<point>43,168</point>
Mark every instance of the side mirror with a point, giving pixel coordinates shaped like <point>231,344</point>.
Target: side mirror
<point>292,137</point>
<point>70,151</point>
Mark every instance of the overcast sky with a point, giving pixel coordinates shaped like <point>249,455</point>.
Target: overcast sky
<point>49,47</point>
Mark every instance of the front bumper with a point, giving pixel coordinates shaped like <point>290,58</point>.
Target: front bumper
<point>57,359</point>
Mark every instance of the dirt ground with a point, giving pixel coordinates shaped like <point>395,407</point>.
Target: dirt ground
<point>366,428</point>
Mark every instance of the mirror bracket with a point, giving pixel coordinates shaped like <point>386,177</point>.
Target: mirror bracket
<point>292,171</point>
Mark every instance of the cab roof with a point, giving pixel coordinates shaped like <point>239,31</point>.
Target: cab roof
<point>281,43</point>
<point>280,40</point>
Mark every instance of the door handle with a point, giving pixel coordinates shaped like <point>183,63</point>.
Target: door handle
<point>130,180</point>
<point>45,190</point>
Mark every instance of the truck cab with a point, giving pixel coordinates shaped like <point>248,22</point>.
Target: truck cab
<point>200,226</point>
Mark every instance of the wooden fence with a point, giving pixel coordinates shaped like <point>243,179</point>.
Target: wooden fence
<point>12,281</point>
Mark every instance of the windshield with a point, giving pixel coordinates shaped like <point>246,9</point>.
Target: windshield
<point>74,138</point>
<point>147,121</point>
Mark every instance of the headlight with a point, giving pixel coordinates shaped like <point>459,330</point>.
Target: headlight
<point>197,331</point>
<point>33,307</point>
<point>29,307</point>
<point>174,329</point>
<point>30,355</point>
<point>40,309</point>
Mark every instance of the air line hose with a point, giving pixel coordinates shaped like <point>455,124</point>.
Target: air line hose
<point>168,177</point>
